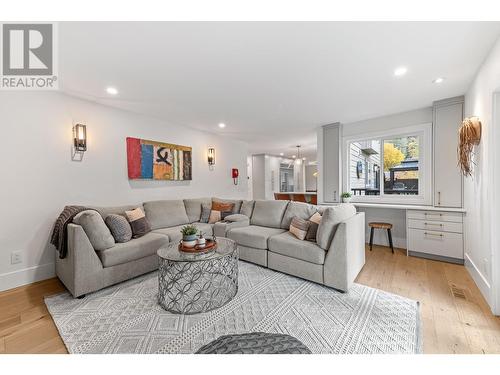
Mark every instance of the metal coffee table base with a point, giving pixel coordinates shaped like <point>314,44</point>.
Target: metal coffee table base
<point>191,287</point>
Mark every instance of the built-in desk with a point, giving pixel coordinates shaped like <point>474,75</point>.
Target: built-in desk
<point>431,232</point>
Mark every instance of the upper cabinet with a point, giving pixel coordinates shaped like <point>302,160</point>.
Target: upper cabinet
<point>331,162</point>
<point>448,181</point>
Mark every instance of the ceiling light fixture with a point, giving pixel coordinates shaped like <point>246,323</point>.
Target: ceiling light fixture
<point>281,154</point>
<point>222,125</point>
<point>438,80</point>
<point>112,91</point>
<point>401,71</point>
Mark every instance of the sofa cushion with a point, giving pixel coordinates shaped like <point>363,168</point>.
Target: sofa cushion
<point>289,245</point>
<point>247,208</point>
<point>253,235</point>
<point>98,233</point>
<point>165,214</point>
<point>299,209</point>
<point>117,210</point>
<point>132,250</point>
<point>194,207</point>
<point>236,207</point>
<point>330,220</point>
<point>119,227</point>
<point>268,213</point>
<point>174,233</point>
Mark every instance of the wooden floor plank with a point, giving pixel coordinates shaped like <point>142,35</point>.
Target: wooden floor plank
<point>449,324</point>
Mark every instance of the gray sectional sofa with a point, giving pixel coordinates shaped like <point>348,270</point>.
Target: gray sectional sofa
<point>260,228</point>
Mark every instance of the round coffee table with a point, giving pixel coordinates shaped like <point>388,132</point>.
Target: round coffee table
<point>191,284</point>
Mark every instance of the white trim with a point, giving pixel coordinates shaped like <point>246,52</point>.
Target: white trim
<point>495,204</point>
<point>424,131</point>
<point>481,282</point>
<point>25,276</point>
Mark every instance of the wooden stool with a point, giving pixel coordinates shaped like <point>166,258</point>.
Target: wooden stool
<point>387,226</point>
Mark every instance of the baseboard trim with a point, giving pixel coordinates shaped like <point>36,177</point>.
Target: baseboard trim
<point>25,276</point>
<point>481,282</point>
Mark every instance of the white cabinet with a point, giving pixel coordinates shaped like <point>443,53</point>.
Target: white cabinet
<point>448,181</point>
<point>331,166</point>
<point>435,235</point>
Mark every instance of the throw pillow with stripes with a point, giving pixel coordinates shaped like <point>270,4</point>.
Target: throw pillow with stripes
<point>298,227</point>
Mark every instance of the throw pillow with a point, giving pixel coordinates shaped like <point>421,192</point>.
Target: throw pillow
<point>314,221</point>
<point>205,213</point>
<point>298,227</point>
<point>98,233</point>
<point>138,222</point>
<point>119,227</point>
<point>220,210</point>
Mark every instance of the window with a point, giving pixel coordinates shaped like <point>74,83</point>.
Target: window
<point>390,167</point>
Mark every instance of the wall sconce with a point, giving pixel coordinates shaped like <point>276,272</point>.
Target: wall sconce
<point>211,157</point>
<point>80,137</point>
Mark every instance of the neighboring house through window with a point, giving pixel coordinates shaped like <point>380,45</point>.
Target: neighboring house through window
<point>390,167</point>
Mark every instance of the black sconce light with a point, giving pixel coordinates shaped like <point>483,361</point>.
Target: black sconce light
<point>80,137</point>
<point>211,156</point>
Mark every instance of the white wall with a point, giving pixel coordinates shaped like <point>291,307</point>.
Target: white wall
<point>480,194</point>
<point>39,178</point>
<point>311,180</point>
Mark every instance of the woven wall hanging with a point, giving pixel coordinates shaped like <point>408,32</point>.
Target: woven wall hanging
<point>469,135</point>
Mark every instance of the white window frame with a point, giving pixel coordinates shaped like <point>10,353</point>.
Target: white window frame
<point>424,197</point>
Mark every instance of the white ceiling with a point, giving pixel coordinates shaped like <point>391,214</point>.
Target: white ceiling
<point>271,83</point>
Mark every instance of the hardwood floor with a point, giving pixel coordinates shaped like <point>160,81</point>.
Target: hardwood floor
<point>455,317</point>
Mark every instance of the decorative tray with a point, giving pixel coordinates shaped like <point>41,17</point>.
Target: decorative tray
<point>210,246</point>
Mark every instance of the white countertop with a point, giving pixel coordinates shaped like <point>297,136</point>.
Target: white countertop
<point>405,207</point>
<point>299,192</point>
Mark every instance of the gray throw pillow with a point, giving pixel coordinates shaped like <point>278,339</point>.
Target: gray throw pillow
<point>205,213</point>
<point>98,233</point>
<point>312,231</point>
<point>119,227</point>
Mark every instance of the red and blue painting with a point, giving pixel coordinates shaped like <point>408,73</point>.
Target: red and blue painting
<point>150,160</point>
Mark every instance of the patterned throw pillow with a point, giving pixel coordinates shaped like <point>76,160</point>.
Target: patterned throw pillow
<point>119,227</point>
<point>299,227</point>
<point>219,211</point>
<point>138,222</point>
<point>314,221</point>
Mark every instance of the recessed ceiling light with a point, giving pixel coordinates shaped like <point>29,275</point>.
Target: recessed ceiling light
<point>281,154</point>
<point>294,156</point>
<point>112,91</point>
<point>222,125</point>
<point>401,71</point>
<point>438,80</point>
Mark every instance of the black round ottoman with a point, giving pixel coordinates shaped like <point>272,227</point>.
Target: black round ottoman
<point>255,343</point>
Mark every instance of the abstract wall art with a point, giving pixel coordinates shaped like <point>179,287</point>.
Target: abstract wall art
<point>150,160</point>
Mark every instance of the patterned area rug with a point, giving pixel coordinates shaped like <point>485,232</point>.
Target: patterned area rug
<point>126,318</point>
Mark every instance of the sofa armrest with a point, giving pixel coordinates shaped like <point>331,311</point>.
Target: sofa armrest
<point>81,269</point>
<point>346,256</point>
<point>222,228</point>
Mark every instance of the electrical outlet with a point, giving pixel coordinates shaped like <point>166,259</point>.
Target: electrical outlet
<point>16,257</point>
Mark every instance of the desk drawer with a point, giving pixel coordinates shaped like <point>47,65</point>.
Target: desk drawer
<point>443,244</point>
<point>437,226</point>
<point>454,217</point>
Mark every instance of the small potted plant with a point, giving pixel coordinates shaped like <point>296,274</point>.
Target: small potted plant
<point>189,235</point>
<point>346,197</point>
